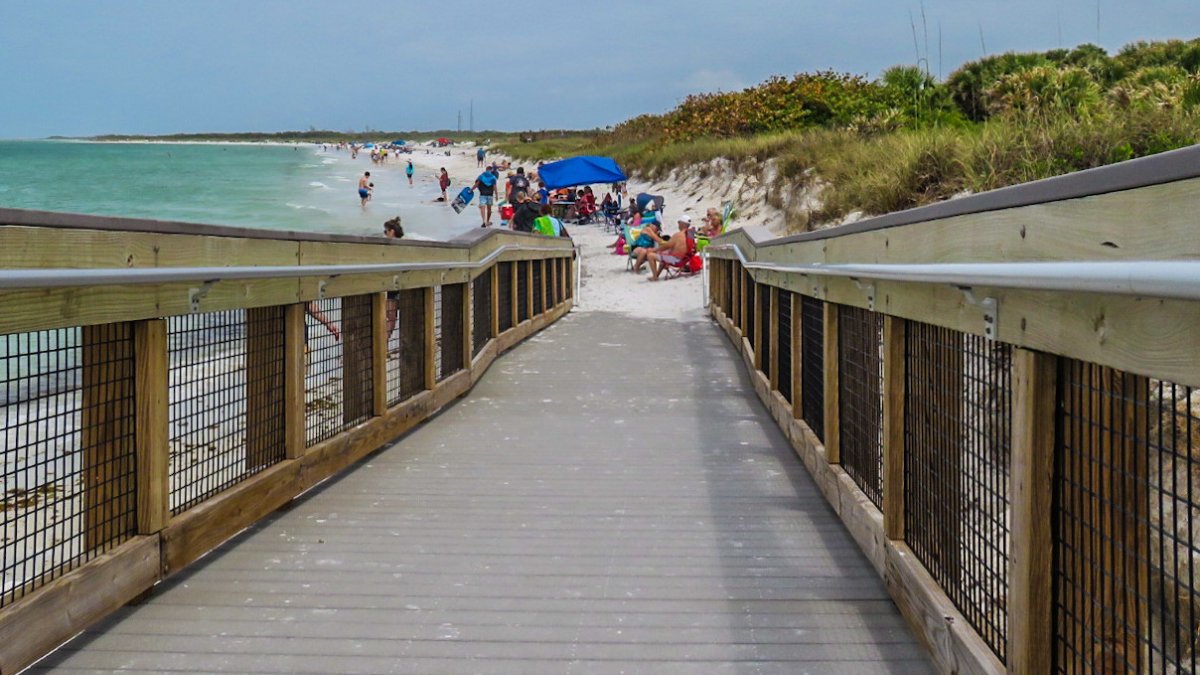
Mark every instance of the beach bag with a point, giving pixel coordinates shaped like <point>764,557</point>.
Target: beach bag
<point>695,264</point>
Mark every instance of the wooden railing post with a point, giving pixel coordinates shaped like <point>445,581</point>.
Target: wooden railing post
<point>555,289</point>
<point>106,433</point>
<point>1030,600</point>
<point>757,318</point>
<point>294,361</point>
<point>379,353</point>
<point>747,297</point>
<point>772,323</point>
<point>468,324</point>
<point>894,329</point>
<point>528,266</point>
<point>547,301</point>
<point>797,355</point>
<point>735,296</point>
<point>515,290</point>
<point>430,339</point>
<point>357,349</point>
<point>150,392</point>
<point>495,272</point>
<point>833,450</point>
<point>264,385</point>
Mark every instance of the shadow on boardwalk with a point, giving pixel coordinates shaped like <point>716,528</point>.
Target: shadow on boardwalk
<point>610,498</point>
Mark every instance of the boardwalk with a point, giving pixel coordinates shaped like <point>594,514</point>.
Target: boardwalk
<point>610,498</point>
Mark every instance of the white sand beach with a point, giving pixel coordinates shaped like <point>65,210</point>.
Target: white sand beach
<point>606,286</point>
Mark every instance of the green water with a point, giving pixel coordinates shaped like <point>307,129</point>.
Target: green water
<point>275,187</point>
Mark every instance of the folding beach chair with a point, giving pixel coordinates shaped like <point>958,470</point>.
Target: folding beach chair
<point>683,268</point>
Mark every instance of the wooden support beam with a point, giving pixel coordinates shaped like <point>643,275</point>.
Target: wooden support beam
<point>379,353</point>
<point>265,434</point>
<point>756,318</point>
<point>832,439</point>
<point>893,426</point>
<point>1106,476</point>
<point>412,342</point>
<point>555,281</point>
<point>1031,547</point>
<point>797,356</point>
<point>468,324</point>
<point>495,272</point>
<point>107,433</point>
<point>515,290</point>
<point>357,367</point>
<point>294,361</point>
<point>430,335</point>
<point>529,288</point>
<point>772,324</point>
<point>150,387</point>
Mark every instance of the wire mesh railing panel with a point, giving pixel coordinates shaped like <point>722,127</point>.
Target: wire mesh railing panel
<point>337,378</point>
<point>481,312</point>
<point>394,364</point>
<point>67,423</point>
<point>406,360</point>
<point>452,329</point>
<point>958,419</point>
<point>784,359</point>
<point>570,280</point>
<point>763,328</point>
<point>1126,523</point>
<point>225,400</point>
<point>522,291</point>
<point>504,295</point>
<point>860,398</point>
<point>539,296</point>
<point>812,364</point>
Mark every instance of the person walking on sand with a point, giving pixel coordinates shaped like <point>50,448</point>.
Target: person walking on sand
<point>444,183</point>
<point>364,188</point>
<point>479,155</point>
<point>408,171</point>
<point>485,185</point>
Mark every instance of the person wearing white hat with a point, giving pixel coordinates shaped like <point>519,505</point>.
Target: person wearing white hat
<point>671,252</point>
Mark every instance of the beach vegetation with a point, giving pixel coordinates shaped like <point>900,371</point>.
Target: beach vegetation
<point>906,139</point>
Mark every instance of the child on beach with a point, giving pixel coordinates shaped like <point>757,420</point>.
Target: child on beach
<point>408,171</point>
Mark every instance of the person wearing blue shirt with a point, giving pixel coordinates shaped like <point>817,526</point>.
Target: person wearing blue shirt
<point>543,194</point>
<point>485,185</point>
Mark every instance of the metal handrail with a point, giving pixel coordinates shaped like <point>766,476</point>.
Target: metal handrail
<point>59,277</point>
<point>1148,278</point>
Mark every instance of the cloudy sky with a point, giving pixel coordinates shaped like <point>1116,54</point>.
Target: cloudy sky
<point>138,66</point>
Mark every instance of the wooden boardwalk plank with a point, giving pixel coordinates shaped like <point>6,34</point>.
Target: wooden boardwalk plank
<point>610,498</point>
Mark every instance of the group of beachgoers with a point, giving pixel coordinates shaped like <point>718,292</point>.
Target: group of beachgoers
<point>652,246</point>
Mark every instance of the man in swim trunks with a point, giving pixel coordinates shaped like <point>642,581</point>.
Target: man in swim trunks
<point>485,185</point>
<point>672,251</point>
<point>364,188</point>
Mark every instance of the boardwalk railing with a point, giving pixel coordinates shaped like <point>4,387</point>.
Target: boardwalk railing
<point>163,386</point>
<point>998,396</point>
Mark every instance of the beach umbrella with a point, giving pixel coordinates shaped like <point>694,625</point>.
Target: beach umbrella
<point>584,170</point>
<point>368,145</point>
<point>397,142</point>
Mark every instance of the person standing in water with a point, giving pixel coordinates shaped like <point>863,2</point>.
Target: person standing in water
<point>408,171</point>
<point>364,188</point>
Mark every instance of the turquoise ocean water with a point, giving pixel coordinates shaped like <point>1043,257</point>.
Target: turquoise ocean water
<point>274,187</point>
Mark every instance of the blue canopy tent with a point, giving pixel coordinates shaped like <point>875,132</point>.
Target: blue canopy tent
<point>397,142</point>
<point>580,171</point>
